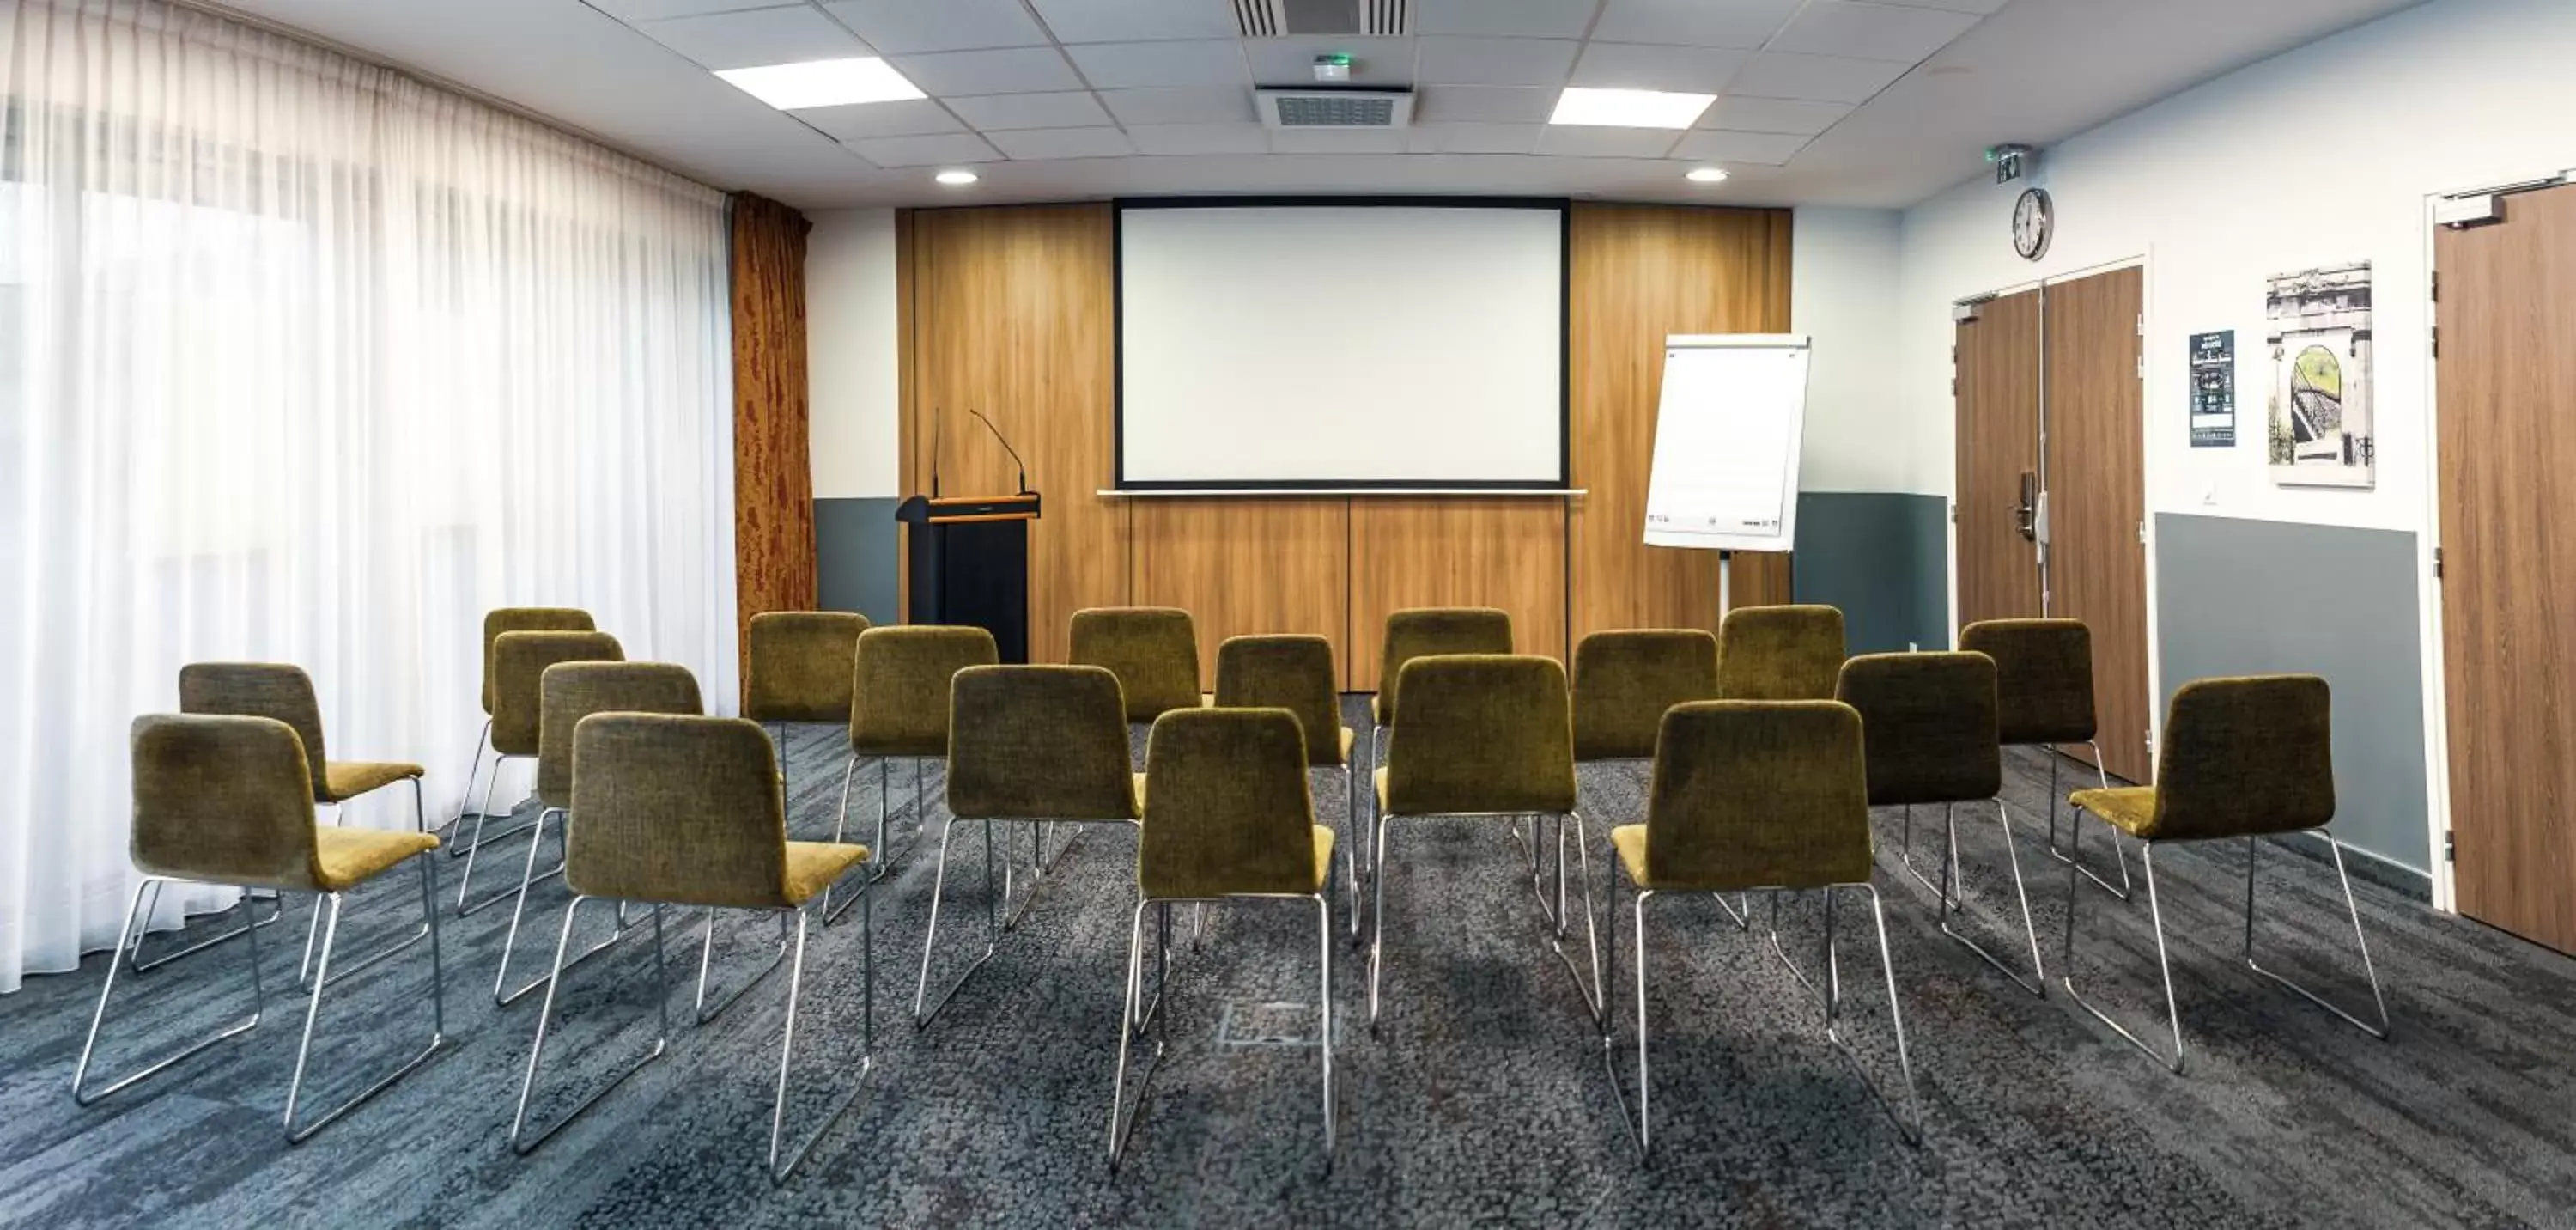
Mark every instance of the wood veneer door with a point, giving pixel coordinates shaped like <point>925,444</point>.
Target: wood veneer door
<point>2506,405</point>
<point>1997,370</point>
<point>2097,499</point>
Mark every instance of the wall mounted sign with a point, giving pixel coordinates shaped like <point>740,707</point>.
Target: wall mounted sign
<point>2213,389</point>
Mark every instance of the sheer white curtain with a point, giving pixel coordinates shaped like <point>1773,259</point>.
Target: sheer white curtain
<point>305,361</point>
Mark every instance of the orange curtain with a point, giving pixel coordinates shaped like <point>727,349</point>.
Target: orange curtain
<point>773,480</point>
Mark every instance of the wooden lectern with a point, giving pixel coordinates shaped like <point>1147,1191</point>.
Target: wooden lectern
<point>969,564</point>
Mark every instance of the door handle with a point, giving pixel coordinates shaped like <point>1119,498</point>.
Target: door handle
<point>2026,512</point>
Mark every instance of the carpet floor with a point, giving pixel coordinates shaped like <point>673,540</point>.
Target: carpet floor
<point>1482,1097</point>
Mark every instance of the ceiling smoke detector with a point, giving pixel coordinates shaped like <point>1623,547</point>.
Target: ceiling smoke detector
<point>1344,108</point>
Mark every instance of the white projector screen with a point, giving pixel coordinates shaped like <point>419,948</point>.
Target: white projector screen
<point>1308,346</point>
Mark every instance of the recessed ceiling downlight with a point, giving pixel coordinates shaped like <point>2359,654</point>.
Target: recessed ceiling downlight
<point>957,179</point>
<point>1706,175</point>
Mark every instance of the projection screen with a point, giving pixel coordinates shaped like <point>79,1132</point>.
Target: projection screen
<point>1318,346</point>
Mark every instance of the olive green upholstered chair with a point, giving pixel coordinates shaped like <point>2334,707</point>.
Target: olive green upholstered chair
<point>1423,632</point>
<point>1229,820</point>
<point>899,711</point>
<point>1486,737</point>
<point>495,623</point>
<point>1779,653</point>
<point>519,662</point>
<point>1027,746</point>
<point>1296,673</point>
<point>1747,796</point>
<point>569,692</point>
<point>688,811</point>
<point>1928,721</point>
<point>230,800</point>
<point>1153,650</point>
<point>2249,758</point>
<point>284,692</point>
<point>2044,699</point>
<point>798,669</point>
<point>1624,683</point>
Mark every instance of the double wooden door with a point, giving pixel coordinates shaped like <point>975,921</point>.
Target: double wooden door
<point>2506,404</point>
<point>2051,500</point>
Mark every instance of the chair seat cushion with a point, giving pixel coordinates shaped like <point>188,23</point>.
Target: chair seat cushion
<point>1323,856</point>
<point>347,779</point>
<point>2130,809</point>
<point>1140,794</point>
<point>1349,737</point>
<point>347,858</point>
<point>920,745</point>
<point>813,865</point>
<point>1630,841</point>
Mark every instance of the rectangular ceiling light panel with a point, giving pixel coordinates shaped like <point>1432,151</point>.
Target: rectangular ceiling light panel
<point>1629,108</point>
<point>823,83</point>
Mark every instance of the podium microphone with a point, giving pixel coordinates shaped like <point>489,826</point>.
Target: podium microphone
<point>935,419</point>
<point>1006,447</point>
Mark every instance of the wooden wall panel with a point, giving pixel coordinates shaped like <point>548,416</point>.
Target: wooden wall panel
<point>1245,566</point>
<point>1011,311</point>
<point>1638,273</point>
<point>1409,551</point>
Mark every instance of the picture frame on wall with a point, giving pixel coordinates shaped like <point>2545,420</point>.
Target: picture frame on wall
<point>2322,431</point>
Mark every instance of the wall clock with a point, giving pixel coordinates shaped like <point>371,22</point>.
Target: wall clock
<point>2034,223</point>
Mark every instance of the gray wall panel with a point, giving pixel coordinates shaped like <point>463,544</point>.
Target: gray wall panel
<point>856,560</point>
<point>1883,557</point>
<point>2239,597</point>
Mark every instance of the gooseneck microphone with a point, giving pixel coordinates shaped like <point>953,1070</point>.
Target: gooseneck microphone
<point>1006,447</point>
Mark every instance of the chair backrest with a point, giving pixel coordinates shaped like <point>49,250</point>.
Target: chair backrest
<point>260,689</point>
<point>674,809</point>
<point>1485,733</point>
<point>1229,810</point>
<point>1422,632</point>
<point>223,799</point>
<point>2245,756</point>
<point>519,662</point>
<point>2043,677</point>
<point>1758,794</point>
<point>1038,743</point>
<point>1624,681</point>
<point>525,619</point>
<point>575,690</point>
<point>800,666</point>
<point>1154,651</point>
<point>1779,652</point>
<point>1294,673</point>
<point>1927,726</point>
<point>899,687</point>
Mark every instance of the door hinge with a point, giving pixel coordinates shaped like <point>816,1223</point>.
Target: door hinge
<point>2435,293</point>
<point>2437,563</point>
<point>2437,341</point>
<point>2142,324</point>
<point>2142,533</point>
<point>1954,514</point>
<point>2142,367</point>
<point>2450,847</point>
<point>1954,386</point>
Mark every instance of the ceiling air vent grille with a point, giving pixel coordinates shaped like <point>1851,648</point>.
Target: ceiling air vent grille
<point>1335,108</point>
<point>1283,18</point>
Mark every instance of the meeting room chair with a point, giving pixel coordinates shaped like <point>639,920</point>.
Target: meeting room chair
<point>1755,796</point>
<point>1230,819</point>
<point>519,662</point>
<point>1421,632</point>
<point>1027,745</point>
<point>1779,653</point>
<point>799,669</point>
<point>1928,730</point>
<point>899,710</point>
<point>1482,737</point>
<point>2246,758</point>
<point>1295,673</point>
<point>2044,698</point>
<point>1153,651</point>
<point>229,801</point>
<point>571,691</point>
<point>284,692</point>
<point>495,623</point>
<point>1625,681</point>
<point>680,811</point>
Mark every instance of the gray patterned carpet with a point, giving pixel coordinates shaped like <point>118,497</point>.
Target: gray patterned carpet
<point>1482,1099</point>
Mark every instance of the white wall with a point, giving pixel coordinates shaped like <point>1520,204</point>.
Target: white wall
<point>2322,155</point>
<point>850,343</point>
<point>1843,296</point>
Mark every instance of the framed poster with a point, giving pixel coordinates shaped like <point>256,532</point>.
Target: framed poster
<point>2321,423</point>
<point>2213,389</point>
